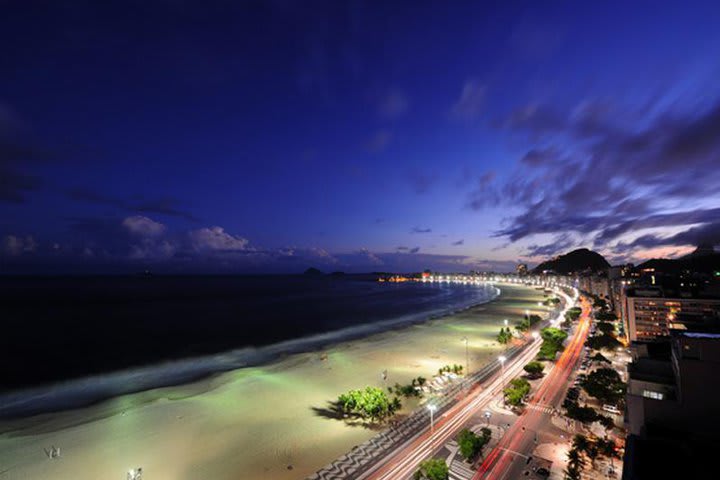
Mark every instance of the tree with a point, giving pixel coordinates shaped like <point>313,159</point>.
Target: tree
<point>575,464</point>
<point>534,369</point>
<point>605,316</point>
<point>432,469</point>
<point>472,444</point>
<point>606,327</point>
<point>581,414</point>
<point>580,442</point>
<point>600,303</point>
<point>504,336</point>
<point>516,391</point>
<point>603,342</point>
<point>553,339</point>
<point>372,404</point>
<point>605,385</point>
<point>573,314</point>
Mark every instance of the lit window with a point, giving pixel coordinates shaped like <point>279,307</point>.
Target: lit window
<point>653,395</point>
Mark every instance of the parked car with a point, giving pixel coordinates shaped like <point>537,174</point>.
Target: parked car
<point>611,409</point>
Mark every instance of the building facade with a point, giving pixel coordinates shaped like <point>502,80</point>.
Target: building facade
<point>648,315</point>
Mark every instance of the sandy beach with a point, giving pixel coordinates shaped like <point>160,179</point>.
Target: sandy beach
<point>251,423</point>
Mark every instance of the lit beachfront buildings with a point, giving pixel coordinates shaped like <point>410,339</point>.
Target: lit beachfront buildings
<point>646,303</point>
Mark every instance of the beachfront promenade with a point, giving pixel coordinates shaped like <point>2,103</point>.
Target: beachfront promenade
<point>411,439</point>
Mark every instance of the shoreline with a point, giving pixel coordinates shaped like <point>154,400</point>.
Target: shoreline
<point>253,422</point>
<point>95,389</point>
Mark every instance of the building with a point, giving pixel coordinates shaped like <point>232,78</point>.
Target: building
<point>522,269</point>
<point>671,406</point>
<point>648,314</point>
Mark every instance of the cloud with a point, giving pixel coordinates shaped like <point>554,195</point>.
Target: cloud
<point>420,230</point>
<point>470,104</point>
<point>163,206</point>
<point>143,226</point>
<point>17,154</point>
<point>459,242</point>
<point>421,182</point>
<point>14,245</point>
<point>394,104</point>
<point>216,239</point>
<point>379,141</point>
<point>414,250</point>
<point>604,173</point>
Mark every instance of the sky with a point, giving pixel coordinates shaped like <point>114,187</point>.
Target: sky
<point>271,136</point>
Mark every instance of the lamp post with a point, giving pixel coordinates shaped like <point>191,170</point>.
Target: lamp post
<point>432,409</point>
<point>467,357</point>
<point>502,359</point>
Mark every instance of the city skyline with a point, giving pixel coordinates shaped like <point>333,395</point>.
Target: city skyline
<point>270,137</point>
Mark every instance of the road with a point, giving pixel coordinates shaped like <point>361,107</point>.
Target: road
<point>509,459</point>
<point>404,461</point>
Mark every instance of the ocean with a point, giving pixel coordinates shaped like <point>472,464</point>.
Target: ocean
<point>156,331</point>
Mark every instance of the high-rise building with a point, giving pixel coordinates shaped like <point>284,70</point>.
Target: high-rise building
<point>647,314</point>
<point>671,402</point>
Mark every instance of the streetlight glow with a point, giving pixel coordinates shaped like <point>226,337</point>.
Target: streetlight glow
<point>432,409</point>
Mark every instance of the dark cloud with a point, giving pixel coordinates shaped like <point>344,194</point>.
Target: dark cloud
<point>421,182</point>
<point>17,154</point>
<point>459,242</point>
<point>414,250</point>
<point>420,230</point>
<point>164,206</point>
<point>617,172</point>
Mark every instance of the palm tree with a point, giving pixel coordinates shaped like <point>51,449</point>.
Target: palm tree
<point>592,452</point>
<point>580,443</point>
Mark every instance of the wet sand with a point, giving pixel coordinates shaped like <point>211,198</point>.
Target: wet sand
<point>250,423</point>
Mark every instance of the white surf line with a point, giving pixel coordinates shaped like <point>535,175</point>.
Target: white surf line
<point>447,430</point>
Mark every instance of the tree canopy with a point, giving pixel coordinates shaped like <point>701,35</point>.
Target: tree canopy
<point>504,336</point>
<point>605,316</point>
<point>516,391</point>
<point>534,369</point>
<point>432,469</point>
<point>472,444</point>
<point>606,327</point>
<point>553,339</point>
<point>605,385</point>
<point>371,403</point>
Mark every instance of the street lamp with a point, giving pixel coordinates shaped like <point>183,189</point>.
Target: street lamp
<point>467,357</point>
<point>487,416</point>
<point>432,409</point>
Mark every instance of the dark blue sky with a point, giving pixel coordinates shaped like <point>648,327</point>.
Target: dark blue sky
<point>273,135</point>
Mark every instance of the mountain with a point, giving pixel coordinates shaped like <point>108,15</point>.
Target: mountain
<point>702,250</point>
<point>704,262</point>
<point>576,261</point>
